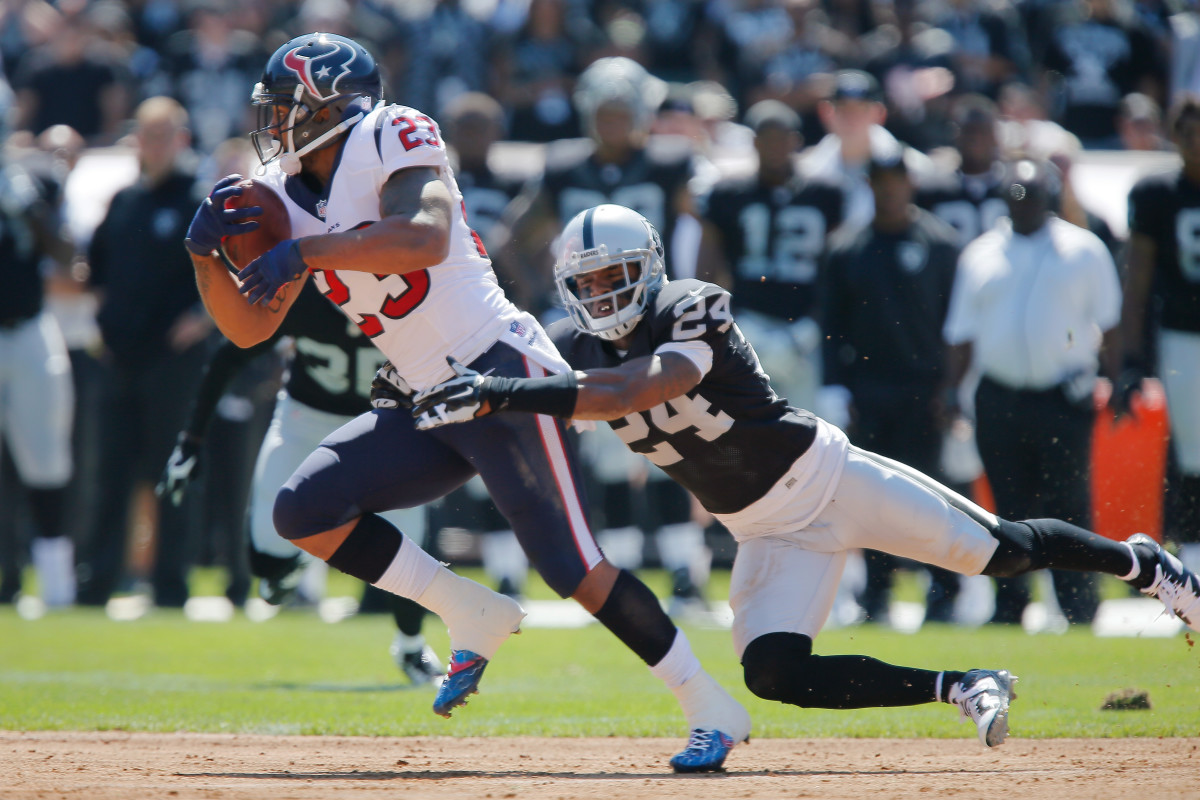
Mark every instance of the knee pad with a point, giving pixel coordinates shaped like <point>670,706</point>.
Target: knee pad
<point>1018,552</point>
<point>770,660</point>
<point>297,514</point>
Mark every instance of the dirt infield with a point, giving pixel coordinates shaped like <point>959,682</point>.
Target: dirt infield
<point>127,766</point>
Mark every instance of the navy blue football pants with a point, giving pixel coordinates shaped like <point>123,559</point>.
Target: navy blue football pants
<point>380,461</point>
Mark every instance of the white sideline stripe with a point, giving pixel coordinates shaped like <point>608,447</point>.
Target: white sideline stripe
<point>556,452</point>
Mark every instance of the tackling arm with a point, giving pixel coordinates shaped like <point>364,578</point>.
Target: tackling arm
<point>599,394</point>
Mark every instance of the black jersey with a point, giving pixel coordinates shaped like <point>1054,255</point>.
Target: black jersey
<point>334,362</point>
<point>773,240</point>
<point>885,300</point>
<point>730,438</point>
<point>648,182</point>
<point>331,369</point>
<point>970,205</point>
<point>20,276</point>
<point>1167,209</point>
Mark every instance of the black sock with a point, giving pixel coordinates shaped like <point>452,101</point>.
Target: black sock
<point>1054,544</point>
<point>369,549</point>
<point>46,506</point>
<point>634,615</point>
<point>949,679</point>
<point>408,615</point>
<point>779,666</point>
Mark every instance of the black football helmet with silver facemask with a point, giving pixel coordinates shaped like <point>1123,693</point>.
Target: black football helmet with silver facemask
<point>310,73</point>
<point>597,239</point>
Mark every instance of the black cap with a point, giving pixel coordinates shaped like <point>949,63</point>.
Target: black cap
<point>854,84</point>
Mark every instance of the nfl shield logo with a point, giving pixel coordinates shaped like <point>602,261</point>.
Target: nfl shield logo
<point>516,328</point>
<point>321,206</point>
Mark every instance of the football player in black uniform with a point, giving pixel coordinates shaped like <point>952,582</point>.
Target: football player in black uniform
<point>1163,270</point>
<point>665,365</point>
<point>764,238</point>
<point>970,198</point>
<point>328,383</point>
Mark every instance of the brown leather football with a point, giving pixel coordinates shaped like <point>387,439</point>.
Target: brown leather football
<point>273,224</point>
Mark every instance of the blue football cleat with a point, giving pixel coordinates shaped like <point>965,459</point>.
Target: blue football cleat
<point>466,668</point>
<point>705,752</point>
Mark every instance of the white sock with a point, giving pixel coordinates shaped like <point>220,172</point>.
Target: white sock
<point>410,573</point>
<point>1137,565</point>
<point>477,618</point>
<point>409,644</point>
<point>54,560</point>
<point>678,665</point>
<point>681,546</point>
<point>707,706</point>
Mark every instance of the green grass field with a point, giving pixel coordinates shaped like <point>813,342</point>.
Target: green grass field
<point>78,670</point>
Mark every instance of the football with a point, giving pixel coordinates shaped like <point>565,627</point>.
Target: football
<point>273,224</point>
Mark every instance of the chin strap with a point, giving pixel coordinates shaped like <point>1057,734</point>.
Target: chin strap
<point>289,161</point>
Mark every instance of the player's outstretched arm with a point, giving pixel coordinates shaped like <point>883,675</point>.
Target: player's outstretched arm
<point>413,231</point>
<point>599,394</point>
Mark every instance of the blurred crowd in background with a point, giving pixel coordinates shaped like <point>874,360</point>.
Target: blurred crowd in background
<point>845,114</point>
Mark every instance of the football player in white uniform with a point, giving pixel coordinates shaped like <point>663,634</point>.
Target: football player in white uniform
<point>665,364</point>
<point>379,226</point>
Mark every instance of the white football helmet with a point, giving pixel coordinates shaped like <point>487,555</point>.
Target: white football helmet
<point>616,79</point>
<point>601,237</point>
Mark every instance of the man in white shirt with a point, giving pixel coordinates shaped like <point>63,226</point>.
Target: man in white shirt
<point>1035,305</point>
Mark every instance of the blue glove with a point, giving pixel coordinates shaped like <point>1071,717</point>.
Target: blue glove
<point>270,272</point>
<point>213,220</point>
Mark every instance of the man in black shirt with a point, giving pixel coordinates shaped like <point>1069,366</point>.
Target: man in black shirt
<point>1163,271</point>
<point>154,330</point>
<point>665,365</point>
<point>887,289</point>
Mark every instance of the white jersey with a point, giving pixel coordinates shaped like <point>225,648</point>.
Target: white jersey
<point>455,308</point>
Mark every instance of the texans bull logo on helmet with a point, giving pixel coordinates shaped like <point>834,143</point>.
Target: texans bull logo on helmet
<point>310,69</point>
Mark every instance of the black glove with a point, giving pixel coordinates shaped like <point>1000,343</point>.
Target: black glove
<point>457,399</point>
<point>181,466</point>
<point>1127,387</point>
<point>389,390</point>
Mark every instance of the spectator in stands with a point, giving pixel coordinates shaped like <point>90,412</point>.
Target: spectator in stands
<point>1097,54</point>
<point>990,48</point>
<point>207,67</point>
<point>450,51</point>
<point>854,116</point>
<point>536,72</point>
<point>1139,123</point>
<point>73,80</point>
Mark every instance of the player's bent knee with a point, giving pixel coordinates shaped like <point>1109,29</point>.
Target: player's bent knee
<point>295,517</point>
<point>1017,553</point>
<point>771,662</point>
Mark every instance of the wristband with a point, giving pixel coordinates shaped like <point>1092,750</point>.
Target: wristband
<point>554,395</point>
